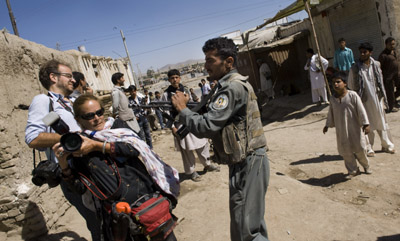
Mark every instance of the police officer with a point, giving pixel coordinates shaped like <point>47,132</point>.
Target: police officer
<point>233,123</point>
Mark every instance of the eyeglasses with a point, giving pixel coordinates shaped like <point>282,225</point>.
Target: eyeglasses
<point>67,75</point>
<point>90,115</point>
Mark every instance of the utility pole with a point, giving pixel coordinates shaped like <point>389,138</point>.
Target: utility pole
<point>129,59</point>
<point>317,45</point>
<point>140,73</point>
<point>13,23</point>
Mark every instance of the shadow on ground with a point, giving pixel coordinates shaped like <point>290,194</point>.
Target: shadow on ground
<point>395,237</point>
<point>326,181</point>
<point>322,158</point>
<point>183,177</point>
<point>68,235</point>
<point>289,108</point>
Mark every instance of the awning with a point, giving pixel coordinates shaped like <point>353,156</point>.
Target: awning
<point>295,7</point>
<point>281,42</point>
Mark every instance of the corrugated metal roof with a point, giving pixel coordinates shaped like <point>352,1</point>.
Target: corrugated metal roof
<point>263,42</point>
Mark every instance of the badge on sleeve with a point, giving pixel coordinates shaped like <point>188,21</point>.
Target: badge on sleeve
<point>221,102</point>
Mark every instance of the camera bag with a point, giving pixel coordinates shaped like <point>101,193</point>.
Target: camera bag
<point>152,213</point>
<point>46,171</point>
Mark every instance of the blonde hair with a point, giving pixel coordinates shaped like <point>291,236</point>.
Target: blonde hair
<point>81,100</point>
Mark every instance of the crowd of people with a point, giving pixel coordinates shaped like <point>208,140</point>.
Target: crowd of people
<point>115,166</point>
<point>115,162</point>
<point>364,91</point>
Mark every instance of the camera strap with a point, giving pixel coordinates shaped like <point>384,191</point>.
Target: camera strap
<point>34,157</point>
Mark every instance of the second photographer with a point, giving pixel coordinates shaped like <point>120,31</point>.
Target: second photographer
<point>114,165</point>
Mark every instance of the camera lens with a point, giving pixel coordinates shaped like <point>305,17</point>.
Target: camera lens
<point>71,142</point>
<point>38,181</point>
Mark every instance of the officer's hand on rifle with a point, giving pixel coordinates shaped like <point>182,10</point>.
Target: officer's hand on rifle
<point>179,100</point>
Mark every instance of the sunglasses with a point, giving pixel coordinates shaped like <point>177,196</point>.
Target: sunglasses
<point>90,115</point>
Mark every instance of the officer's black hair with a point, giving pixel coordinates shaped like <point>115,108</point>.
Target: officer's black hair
<point>225,48</point>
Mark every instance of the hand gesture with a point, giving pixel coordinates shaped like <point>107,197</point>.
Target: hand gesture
<point>325,130</point>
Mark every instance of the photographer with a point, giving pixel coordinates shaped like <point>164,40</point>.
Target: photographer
<point>112,142</point>
<point>57,78</point>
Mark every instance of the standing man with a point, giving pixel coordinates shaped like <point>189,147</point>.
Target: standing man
<point>267,88</point>
<point>120,103</point>
<point>317,79</point>
<point>57,78</point>
<point>233,123</point>
<point>157,98</point>
<point>80,85</point>
<point>343,58</point>
<point>390,72</point>
<point>190,142</point>
<point>366,79</point>
<point>205,88</point>
<point>140,114</point>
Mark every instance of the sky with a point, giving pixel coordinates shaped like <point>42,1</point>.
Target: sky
<point>157,32</point>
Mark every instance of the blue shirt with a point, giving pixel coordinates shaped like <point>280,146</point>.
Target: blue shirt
<point>343,59</point>
<point>38,109</point>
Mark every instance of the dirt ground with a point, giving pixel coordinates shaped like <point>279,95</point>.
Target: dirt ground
<point>308,198</point>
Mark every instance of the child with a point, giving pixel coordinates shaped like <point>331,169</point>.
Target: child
<point>347,114</point>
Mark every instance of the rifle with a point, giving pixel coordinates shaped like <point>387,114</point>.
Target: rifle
<point>165,107</point>
<point>162,105</point>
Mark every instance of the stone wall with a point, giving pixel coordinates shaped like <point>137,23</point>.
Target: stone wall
<point>26,211</point>
<point>393,13</point>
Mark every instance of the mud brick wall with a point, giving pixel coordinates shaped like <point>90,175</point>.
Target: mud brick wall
<point>26,211</point>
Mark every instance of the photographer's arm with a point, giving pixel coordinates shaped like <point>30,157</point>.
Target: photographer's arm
<point>44,140</point>
<point>90,145</point>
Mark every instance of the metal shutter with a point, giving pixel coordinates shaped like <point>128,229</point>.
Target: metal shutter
<point>357,22</point>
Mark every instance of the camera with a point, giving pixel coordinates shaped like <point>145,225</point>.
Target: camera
<point>48,171</point>
<point>69,141</point>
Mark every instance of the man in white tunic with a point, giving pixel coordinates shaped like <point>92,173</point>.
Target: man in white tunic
<point>267,88</point>
<point>348,115</point>
<point>366,79</point>
<point>317,79</point>
<point>190,142</point>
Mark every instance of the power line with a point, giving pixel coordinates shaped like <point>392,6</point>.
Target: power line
<point>199,37</point>
<point>169,24</point>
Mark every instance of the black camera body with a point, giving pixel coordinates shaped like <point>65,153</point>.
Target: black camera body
<point>69,141</point>
<point>48,171</point>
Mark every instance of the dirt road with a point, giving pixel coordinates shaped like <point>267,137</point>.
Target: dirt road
<point>308,198</point>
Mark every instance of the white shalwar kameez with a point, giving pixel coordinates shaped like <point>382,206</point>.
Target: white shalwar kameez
<point>317,78</point>
<point>374,107</point>
<point>348,115</point>
<point>266,82</point>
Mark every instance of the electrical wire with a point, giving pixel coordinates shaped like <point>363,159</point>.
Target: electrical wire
<point>169,24</point>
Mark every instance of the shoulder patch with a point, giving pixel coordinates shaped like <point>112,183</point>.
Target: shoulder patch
<point>221,102</point>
